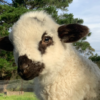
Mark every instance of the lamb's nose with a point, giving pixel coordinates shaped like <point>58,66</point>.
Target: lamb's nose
<point>22,69</point>
<point>23,65</point>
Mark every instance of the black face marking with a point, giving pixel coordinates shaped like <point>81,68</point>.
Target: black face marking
<point>44,34</point>
<point>44,43</point>
<point>29,69</point>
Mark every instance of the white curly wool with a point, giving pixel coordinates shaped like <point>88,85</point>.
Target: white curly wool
<point>67,75</point>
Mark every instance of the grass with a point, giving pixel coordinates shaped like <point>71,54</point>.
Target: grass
<point>25,96</point>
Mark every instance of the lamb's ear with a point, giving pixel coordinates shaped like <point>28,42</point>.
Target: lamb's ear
<point>72,32</point>
<point>5,44</point>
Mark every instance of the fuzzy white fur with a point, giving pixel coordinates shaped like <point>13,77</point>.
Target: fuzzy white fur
<point>67,75</point>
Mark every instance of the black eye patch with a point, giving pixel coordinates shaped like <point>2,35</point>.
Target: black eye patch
<point>44,43</point>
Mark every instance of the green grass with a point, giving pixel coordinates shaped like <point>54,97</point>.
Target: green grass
<point>25,96</point>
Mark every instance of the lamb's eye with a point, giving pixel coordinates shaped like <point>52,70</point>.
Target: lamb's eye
<point>47,39</point>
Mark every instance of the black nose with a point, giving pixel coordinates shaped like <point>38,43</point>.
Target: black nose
<point>23,64</point>
<point>29,69</point>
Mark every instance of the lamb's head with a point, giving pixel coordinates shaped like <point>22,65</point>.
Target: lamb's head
<point>38,43</point>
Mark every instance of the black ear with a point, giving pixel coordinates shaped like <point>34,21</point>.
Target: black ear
<point>5,44</point>
<point>72,32</point>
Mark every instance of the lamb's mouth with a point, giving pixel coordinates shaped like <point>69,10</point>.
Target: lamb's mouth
<point>28,69</point>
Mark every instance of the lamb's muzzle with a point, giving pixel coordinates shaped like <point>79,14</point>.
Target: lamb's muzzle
<point>28,69</point>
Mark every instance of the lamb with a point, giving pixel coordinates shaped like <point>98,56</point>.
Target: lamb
<point>43,51</point>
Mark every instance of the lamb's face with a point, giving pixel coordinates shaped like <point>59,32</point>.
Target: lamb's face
<point>36,47</point>
<point>38,44</point>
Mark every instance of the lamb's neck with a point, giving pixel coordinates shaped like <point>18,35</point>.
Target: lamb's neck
<point>74,62</point>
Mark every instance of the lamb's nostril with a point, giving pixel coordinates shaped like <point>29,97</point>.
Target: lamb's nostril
<point>25,71</point>
<point>26,66</point>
